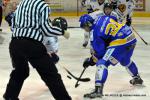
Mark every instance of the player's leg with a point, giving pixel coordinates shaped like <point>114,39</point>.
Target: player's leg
<point>112,56</point>
<point>49,74</point>
<point>19,73</point>
<point>133,71</point>
<point>100,78</point>
<point>131,66</point>
<point>86,39</point>
<point>101,74</point>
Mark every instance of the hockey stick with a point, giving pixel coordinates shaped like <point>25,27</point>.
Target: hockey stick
<point>77,83</point>
<point>78,79</point>
<point>139,36</point>
<point>73,27</point>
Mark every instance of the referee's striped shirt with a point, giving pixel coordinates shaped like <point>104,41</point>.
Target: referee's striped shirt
<point>31,20</point>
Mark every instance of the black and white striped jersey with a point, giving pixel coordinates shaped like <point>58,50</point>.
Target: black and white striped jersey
<point>31,20</point>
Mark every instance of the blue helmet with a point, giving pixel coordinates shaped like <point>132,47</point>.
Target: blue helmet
<point>86,20</point>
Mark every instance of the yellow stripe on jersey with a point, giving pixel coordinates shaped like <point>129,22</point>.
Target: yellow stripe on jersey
<point>122,41</point>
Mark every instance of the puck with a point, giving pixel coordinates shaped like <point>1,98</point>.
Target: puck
<point>69,77</point>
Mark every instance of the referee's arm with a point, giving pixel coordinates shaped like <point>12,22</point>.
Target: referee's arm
<point>47,27</point>
<point>13,22</point>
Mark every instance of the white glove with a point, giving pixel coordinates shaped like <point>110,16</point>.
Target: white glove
<point>66,34</point>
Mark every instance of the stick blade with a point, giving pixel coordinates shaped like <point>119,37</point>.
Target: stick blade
<point>146,43</point>
<point>85,80</point>
<point>69,77</point>
<point>76,85</point>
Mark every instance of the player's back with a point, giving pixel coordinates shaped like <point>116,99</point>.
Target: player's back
<point>115,33</point>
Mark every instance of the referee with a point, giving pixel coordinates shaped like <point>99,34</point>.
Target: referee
<point>30,23</point>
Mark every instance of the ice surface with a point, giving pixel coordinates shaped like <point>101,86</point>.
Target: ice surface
<point>72,55</point>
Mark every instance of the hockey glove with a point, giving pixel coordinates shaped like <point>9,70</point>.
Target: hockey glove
<point>54,58</point>
<point>128,21</point>
<point>88,62</point>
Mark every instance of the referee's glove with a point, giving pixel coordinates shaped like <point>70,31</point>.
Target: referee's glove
<point>66,34</point>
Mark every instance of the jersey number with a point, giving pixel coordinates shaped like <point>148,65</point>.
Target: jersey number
<point>113,28</point>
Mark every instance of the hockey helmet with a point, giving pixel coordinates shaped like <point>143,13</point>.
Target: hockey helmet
<point>108,5</point>
<point>86,20</point>
<point>60,22</point>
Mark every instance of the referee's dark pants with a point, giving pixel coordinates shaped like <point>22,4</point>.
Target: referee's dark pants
<point>23,51</point>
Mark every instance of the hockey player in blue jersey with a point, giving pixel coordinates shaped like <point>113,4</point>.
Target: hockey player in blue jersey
<point>111,43</point>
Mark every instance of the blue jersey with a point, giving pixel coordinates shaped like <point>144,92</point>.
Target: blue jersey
<point>108,33</point>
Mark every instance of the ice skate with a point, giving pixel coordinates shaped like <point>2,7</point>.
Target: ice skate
<point>136,81</point>
<point>97,93</point>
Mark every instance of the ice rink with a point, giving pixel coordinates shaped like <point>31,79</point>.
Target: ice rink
<point>72,54</point>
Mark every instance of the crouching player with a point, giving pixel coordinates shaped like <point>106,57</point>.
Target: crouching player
<point>112,43</point>
<point>51,43</point>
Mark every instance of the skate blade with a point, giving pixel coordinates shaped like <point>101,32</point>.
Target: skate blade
<point>139,85</point>
<point>96,98</point>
